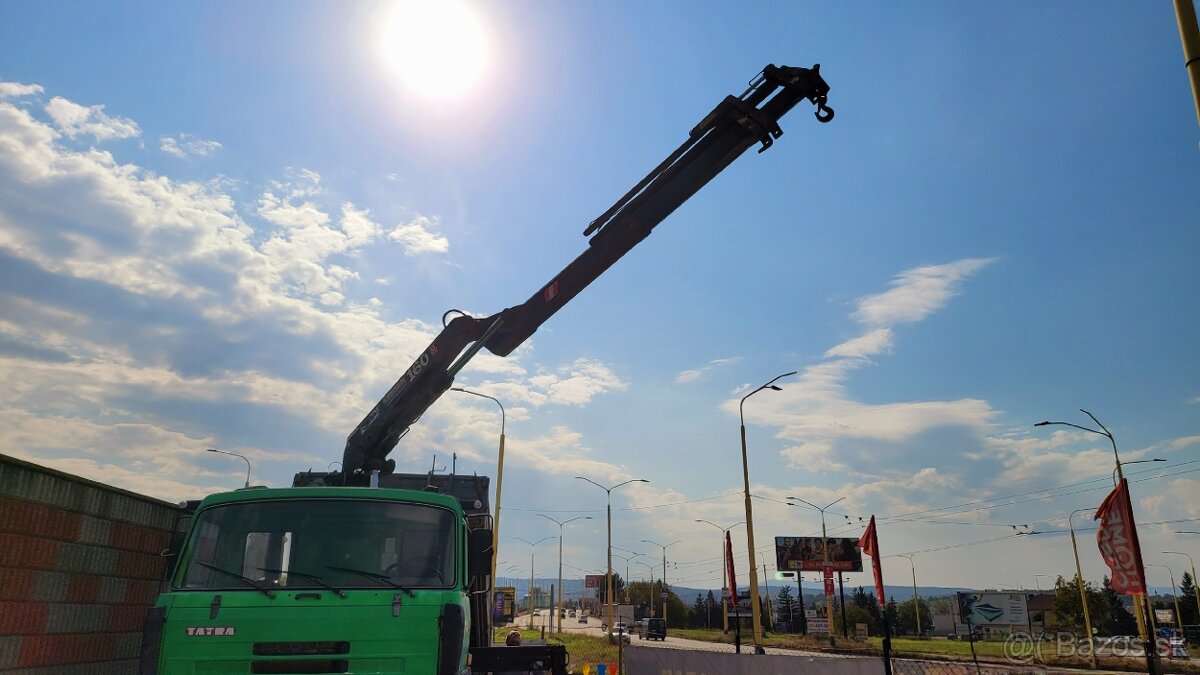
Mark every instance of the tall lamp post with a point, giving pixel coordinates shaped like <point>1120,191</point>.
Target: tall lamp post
<point>1142,604</point>
<point>499,484</point>
<point>557,616</point>
<point>532,545</point>
<point>825,546</point>
<point>916,598</point>
<point>1087,615</point>
<point>1178,616</point>
<point>724,572</point>
<point>608,612</point>
<point>650,588</point>
<point>1195,584</point>
<point>664,576</point>
<point>626,558</point>
<point>756,620</point>
<point>234,454</point>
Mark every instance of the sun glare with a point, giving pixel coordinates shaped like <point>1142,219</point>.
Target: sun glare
<point>435,47</point>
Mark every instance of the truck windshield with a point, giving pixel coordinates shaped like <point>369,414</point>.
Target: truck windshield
<point>322,543</point>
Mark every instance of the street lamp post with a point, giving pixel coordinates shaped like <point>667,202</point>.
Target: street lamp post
<point>825,546</point>
<point>626,558</point>
<point>650,588</point>
<point>916,598</point>
<point>557,616</point>
<point>1178,616</point>
<point>234,454</point>
<point>608,612</point>
<point>664,576</point>
<point>756,620</point>
<point>532,545</point>
<point>724,572</point>
<point>1195,584</point>
<point>1087,615</point>
<point>1136,461</point>
<point>499,484</point>
<point>1142,605</point>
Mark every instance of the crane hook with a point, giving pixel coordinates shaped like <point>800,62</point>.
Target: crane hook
<point>824,113</point>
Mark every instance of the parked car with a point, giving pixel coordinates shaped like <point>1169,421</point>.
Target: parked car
<point>652,629</point>
<point>582,618</point>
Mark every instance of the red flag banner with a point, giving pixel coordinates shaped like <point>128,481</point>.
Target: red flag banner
<point>869,543</point>
<point>1118,542</point>
<point>732,581</point>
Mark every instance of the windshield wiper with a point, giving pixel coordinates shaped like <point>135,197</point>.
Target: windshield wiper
<point>311,577</point>
<point>373,575</point>
<point>246,580</point>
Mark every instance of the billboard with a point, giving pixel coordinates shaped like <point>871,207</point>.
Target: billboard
<point>504,599</point>
<point>994,608</point>
<point>807,554</point>
<point>593,581</point>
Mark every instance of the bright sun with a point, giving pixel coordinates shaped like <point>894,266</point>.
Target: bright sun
<point>436,47</point>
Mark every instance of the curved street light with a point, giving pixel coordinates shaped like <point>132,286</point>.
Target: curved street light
<point>755,603</point>
<point>825,547</point>
<point>532,545</point>
<point>724,571</point>
<point>1195,584</point>
<point>234,454</point>
<point>1141,605</point>
<point>499,484</point>
<point>664,576</point>
<point>608,509</point>
<point>1087,615</point>
<point>1178,616</point>
<point>558,605</point>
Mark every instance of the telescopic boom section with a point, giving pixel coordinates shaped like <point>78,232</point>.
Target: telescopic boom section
<point>736,124</point>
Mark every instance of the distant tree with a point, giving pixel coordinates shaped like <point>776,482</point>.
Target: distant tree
<point>1068,610</point>
<point>854,615</point>
<point>1116,620</point>
<point>1187,599</point>
<point>867,601</point>
<point>714,611</point>
<point>786,608</point>
<point>892,613</point>
<point>906,618</point>
<point>698,615</point>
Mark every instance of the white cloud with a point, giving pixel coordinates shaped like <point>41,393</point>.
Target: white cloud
<point>416,237</point>
<point>874,342</point>
<point>917,293</point>
<point>15,89</point>
<point>819,416</point>
<point>74,119</point>
<point>187,145</point>
<point>695,374</point>
<point>576,384</point>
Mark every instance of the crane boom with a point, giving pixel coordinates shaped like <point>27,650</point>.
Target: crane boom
<point>736,124</point>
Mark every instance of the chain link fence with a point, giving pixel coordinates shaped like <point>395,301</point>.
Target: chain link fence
<point>923,667</point>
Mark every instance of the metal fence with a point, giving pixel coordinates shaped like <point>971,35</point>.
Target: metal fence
<point>931,667</point>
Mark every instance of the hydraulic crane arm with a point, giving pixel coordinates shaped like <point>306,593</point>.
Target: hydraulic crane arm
<point>730,129</point>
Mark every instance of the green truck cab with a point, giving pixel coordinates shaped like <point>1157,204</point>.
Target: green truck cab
<point>332,580</point>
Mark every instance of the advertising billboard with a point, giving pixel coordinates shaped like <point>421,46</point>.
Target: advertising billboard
<point>993,608</point>
<point>593,581</point>
<point>503,609</point>
<point>807,554</point>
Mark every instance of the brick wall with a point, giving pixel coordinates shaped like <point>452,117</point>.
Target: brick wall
<point>79,567</point>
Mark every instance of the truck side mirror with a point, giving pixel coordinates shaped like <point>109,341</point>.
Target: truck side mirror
<point>479,558</point>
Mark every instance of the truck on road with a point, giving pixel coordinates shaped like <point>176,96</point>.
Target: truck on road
<point>367,571</point>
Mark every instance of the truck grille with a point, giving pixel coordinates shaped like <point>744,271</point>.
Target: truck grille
<point>300,648</point>
<point>296,666</point>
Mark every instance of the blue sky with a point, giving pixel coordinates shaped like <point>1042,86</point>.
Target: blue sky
<point>234,226</point>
